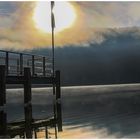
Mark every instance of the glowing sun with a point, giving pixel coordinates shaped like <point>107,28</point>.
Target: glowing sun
<point>64,14</point>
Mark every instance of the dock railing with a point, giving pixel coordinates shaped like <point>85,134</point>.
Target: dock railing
<point>27,69</point>
<point>15,63</point>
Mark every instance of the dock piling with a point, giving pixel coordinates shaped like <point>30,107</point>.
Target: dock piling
<point>14,72</point>
<point>58,101</point>
<point>27,103</point>
<point>3,115</point>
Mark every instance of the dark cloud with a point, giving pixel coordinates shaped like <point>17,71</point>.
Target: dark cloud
<point>113,61</point>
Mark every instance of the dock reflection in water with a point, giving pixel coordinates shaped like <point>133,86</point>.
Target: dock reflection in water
<point>111,111</point>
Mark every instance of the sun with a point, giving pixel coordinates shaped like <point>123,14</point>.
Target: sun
<point>64,13</point>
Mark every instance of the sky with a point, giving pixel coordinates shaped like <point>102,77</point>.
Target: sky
<point>93,19</point>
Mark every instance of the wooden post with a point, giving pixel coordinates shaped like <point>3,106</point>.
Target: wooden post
<point>3,115</point>
<point>7,63</point>
<point>33,65</point>
<point>46,132</point>
<point>44,67</point>
<point>27,103</point>
<point>58,101</point>
<point>35,133</point>
<point>21,63</point>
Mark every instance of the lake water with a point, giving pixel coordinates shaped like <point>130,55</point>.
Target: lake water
<point>111,111</point>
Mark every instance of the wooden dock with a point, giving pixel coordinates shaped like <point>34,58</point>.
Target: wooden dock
<point>28,70</point>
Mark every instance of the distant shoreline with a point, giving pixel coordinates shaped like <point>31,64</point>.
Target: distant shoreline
<point>75,86</point>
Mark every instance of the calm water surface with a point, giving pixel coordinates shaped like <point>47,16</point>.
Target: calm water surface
<point>111,111</point>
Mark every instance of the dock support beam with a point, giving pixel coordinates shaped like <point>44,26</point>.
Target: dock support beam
<point>3,115</point>
<point>58,101</point>
<point>27,103</point>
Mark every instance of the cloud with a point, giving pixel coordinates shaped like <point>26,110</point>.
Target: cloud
<point>111,14</point>
<point>18,29</point>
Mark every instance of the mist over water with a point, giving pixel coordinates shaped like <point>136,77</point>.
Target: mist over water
<point>88,111</point>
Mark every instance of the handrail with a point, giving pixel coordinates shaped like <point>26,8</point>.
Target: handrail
<point>21,53</point>
<point>21,60</point>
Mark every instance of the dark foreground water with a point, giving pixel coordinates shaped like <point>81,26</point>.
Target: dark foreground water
<point>88,111</point>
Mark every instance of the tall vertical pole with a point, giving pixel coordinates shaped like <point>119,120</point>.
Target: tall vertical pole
<point>53,50</point>
<point>53,26</point>
<point>53,60</point>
